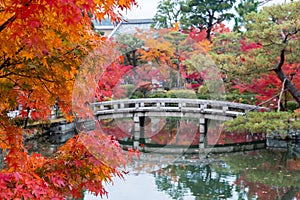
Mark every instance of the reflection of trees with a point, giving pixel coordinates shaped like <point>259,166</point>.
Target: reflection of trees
<point>266,167</point>
<point>177,131</point>
<point>256,174</point>
<point>202,181</point>
<point>120,129</point>
<point>265,173</point>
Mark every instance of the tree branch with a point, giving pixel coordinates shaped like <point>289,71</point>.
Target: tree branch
<point>5,24</point>
<point>280,95</point>
<point>281,61</point>
<point>6,75</point>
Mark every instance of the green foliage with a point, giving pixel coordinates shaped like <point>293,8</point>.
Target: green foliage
<point>265,122</point>
<point>276,28</point>
<point>241,98</point>
<point>232,97</point>
<point>129,45</point>
<point>168,12</point>
<point>188,94</point>
<point>137,95</point>
<point>158,94</point>
<point>203,90</point>
<point>206,13</point>
<point>269,46</point>
<point>292,105</point>
<point>243,8</point>
<point>203,96</point>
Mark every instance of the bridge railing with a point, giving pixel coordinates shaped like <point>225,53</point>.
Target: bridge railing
<point>172,104</point>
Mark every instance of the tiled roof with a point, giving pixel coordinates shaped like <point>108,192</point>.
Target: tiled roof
<point>130,25</point>
<point>103,24</point>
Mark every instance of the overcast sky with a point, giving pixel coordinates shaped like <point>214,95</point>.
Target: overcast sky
<point>145,10</point>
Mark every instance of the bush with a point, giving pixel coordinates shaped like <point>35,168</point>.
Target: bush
<point>264,122</point>
<point>292,105</point>
<point>203,90</point>
<point>137,95</point>
<point>203,96</point>
<point>241,98</point>
<point>187,94</point>
<point>158,94</point>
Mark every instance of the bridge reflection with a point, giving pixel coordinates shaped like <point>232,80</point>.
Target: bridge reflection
<point>178,135</point>
<point>192,125</point>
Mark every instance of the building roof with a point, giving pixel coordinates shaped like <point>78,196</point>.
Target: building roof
<point>104,25</point>
<point>130,26</point>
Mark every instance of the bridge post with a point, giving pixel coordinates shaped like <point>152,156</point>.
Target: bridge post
<point>202,130</point>
<point>136,133</point>
<point>139,122</point>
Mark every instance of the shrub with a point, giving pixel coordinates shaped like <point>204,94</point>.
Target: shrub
<point>292,105</point>
<point>203,90</point>
<point>158,94</point>
<point>241,98</point>
<point>137,95</point>
<point>187,94</point>
<point>203,96</point>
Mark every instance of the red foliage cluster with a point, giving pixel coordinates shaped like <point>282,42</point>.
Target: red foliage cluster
<point>197,35</point>
<point>248,46</point>
<point>109,80</point>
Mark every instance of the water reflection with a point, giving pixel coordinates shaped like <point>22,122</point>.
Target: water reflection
<point>202,182</point>
<point>174,131</point>
<point>264,174</point>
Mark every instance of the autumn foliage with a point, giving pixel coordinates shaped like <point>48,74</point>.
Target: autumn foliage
<point>43,44</point>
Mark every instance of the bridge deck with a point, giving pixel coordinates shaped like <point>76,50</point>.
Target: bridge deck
<point>172,105</point>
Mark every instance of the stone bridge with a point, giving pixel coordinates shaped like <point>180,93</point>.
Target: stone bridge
<point>139,109</point>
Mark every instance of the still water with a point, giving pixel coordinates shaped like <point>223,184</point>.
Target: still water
<point>268,174</point>
<point>263,174</point>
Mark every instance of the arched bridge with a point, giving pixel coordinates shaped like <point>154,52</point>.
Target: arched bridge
<point>209,109</point>
<point>139,109</point>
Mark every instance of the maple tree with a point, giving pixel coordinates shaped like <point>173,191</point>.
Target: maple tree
<point>109,81</point>
<point>129,45</point>
<point>170,52</point>
<point>43,44</point>
<point>166,53</point>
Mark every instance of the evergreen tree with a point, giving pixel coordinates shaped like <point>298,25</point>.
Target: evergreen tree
<point>204,14</point>
<point>168,13</point>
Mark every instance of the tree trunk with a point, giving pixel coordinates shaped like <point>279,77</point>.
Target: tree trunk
<point>288,84</point>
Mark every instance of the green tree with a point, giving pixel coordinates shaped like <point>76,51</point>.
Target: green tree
<point>243,8</point>
<point>277,29</point>
<point>168,13</point>
<point>205,14</point>
<point>176,39</point>
<point>129,45</point>
<point>270,45</point>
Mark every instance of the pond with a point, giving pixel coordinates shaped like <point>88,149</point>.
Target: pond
<point>252,174</point>
<point>256,174</point>
<point>262,174</point>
